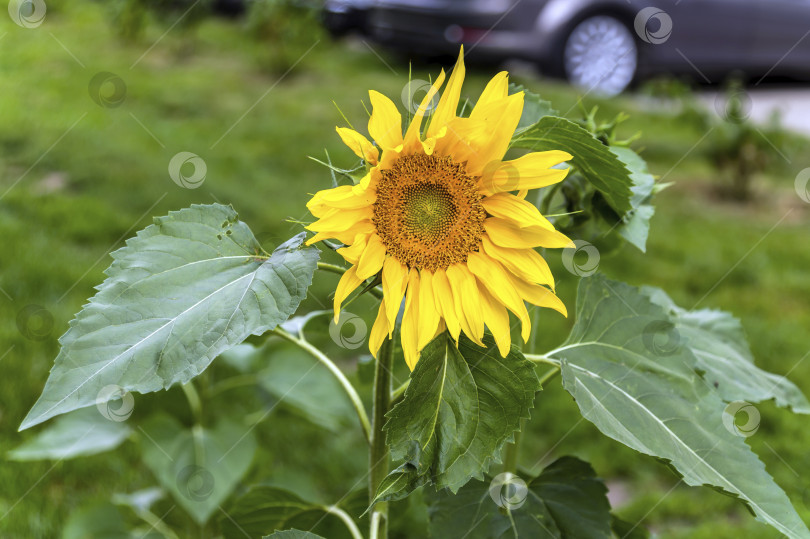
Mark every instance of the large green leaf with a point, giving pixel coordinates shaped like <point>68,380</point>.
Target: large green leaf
<point>200,467</point>
<point>601,167</point>
<point>634,226</point>
<point>462,405</point>
<point>650,398</point>
<point>718,342</point>
<point>181,292</point>
<point>565,501</point>
<point>264,509</point>
<point>534,108</point>
<point>399,483</point>
<point>100,521</point>
<point>301,383</point>
<point>77,434</point>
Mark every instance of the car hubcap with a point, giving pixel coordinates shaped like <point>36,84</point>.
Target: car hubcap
<point>600,56</point>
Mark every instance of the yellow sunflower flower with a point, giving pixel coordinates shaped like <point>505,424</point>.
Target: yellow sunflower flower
<point>436,215</point>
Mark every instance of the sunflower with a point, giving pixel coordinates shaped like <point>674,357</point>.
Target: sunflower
<point>436,215</point>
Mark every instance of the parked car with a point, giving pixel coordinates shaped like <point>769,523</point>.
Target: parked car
<point>343,17</point>
<point>605,45</point>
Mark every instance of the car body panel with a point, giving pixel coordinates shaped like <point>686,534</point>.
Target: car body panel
<point>709,38</point>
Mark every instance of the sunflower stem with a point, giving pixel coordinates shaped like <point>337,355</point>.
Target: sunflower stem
<point>399,392</point>
<point>331,268</point>
<point>337,373</point>
<point>378,455</point>
<point>541,358</point>
<point>347,520</point>
<point>510,458</point>
<point>194,401</point>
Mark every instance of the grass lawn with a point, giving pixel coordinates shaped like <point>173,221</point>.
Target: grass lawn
<point>77,178</point>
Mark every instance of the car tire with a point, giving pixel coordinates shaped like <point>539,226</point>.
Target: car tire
<point>600,55</point>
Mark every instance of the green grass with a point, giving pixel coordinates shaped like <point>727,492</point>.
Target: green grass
<point>79,178</point>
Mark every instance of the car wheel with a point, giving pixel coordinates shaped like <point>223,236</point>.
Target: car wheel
<point>600,55</point>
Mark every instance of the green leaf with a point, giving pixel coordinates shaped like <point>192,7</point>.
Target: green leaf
<point>534,108</point>
<point>265,508</point>
<point>200,467</point>
<point>77,434</point>
<point>576,499</point>
<point>180,293</point>
<point>635,224</point>
<point>300,382</point>
<point>626,530</point>
<point>650,398</point>
<point>595,161</point>
<point>565,501</point>
<point>462,405</point>
<point>101,521</point>
<point>292,534</point>
<point>723,356</point>
<point>398,484</point>
<point>140,501</point>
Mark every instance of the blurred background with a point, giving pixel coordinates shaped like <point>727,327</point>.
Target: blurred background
<point>98,99</point>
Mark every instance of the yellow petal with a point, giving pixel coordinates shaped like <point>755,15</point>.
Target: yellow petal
<point>502,117</point>
<point>428,315</point>
<point>448,104</point>
<point>497,88</point>
<point>456,142</point>
<point>497,319</point>
<point>410,321</point>
<point>532,171</point>
<point>348,282</point>
<point>525,263</point>
<point>372,259</point>
<point>413,135</point>
<point>359,144</point>
<point>385,124</point>
<point>443,296</point>
<point>516,210</point>
<point>539,295</point>
<point>378,331</point>
<point>467,301</point>
<point>344,236</point>
<point>507,234</point>
<point>353,253</point>
<point>394,281</point>
<point>497,280</point>
<point>343,197</point>
<point>338,220</point>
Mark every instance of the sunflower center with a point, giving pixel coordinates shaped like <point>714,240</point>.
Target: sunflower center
<point>428,212</point>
